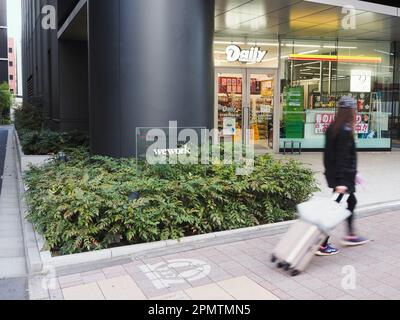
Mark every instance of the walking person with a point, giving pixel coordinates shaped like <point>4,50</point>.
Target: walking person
<point>340,160</point>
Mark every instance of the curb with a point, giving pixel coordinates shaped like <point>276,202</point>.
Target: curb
<point>127,251</point>
<point>31,239</point>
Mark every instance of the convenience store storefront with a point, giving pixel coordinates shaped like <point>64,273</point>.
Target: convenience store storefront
<point>287,90</point>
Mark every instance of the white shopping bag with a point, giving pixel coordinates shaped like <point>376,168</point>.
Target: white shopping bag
<point>326,214</point>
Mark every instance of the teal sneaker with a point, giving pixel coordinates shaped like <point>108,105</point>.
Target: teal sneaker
<point>351,241</point>
<point>329,250</point>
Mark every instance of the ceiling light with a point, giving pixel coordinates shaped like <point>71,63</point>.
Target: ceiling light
<point>229,42</point>
<point>333,58</point>
<point>271,44</point>
<point>384,52</point>
<point>339,47</point>
<point>303,45</point>
<point>309,52</point>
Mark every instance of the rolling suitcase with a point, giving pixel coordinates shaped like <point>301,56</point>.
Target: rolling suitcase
<point>297,248</point>
<point>299,245</point>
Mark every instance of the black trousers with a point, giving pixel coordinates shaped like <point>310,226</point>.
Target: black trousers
<point>351,206</point>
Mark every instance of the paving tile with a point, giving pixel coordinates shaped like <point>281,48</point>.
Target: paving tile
<point>304,294</point>
<point>83,292</point>
<point>255,278</point>
<point>367,282</point>
<point>252,263</point>
<point>200,282</point>
<point>180,295</point>
<point>207,252</point>
<point>238,272</point>
<point>56,294</point>
<point>360,292</point>
<point>281,294</point>
<point>330,293</point>
<point>150,293</point>
<point>93,277</point>
<point>220,259</point>
<point>387,292</point>
<point>12,252</point>
<point>219,275</point>
<point>346,297</point>
<point>312,283</point>
<point>138,275</point>
<point>229,265</point>
<point>121,288</point>
<point>245,289</point>
<point>208,292</point>
<point>290,284</point>
<point>114,272</point>
<point>145,284</point>
<point>70,281</point>
<point>12,267</point>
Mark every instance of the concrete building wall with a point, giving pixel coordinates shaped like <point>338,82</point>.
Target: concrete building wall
<point>12,66</point>
<point>3,42</point>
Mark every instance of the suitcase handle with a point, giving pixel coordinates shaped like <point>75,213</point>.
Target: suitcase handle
<point>336,195</point>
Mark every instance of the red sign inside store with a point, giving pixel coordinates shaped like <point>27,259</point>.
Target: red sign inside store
<point>324,120</point>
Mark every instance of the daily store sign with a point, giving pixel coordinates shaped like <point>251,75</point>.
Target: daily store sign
<point>253,55</point>
<point>324,120</point>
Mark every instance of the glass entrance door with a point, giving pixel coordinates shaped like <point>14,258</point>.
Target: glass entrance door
<point>231,91</point>
<point>260,101</point>
<point>245,99</point>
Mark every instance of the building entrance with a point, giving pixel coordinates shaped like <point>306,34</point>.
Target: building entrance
<point>247,99</point>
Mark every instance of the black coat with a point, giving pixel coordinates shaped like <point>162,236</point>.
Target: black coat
<point>340,159</point>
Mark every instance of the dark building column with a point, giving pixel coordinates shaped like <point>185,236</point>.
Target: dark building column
<point>150,62</point>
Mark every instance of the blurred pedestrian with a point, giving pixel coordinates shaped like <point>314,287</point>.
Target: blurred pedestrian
<point>340,160</point>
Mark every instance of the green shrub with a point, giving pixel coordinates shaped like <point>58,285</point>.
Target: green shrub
<point>49,142</point>
<point>5,103</point>
<point>84,205</point>
<point>35,140</point>
<point>29,118</point>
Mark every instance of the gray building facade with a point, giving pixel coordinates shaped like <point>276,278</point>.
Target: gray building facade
<point>3,42</point>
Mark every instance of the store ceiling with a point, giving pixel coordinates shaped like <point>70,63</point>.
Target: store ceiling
<point>266,19</point>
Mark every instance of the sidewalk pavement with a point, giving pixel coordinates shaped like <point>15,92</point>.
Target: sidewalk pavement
<point>242,270</point>
<point>12,253</point>
<point>379,169</point>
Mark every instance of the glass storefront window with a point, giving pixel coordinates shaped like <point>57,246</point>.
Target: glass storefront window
<point>315,74</point>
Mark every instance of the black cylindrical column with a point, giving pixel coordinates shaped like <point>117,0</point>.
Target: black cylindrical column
<point>151,62</point>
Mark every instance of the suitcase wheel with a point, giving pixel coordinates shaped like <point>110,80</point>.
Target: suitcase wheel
<point>280,265</point>
<point>286,267</point>
<point>273,259</point>
<point>295,273</point>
